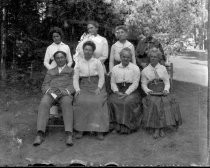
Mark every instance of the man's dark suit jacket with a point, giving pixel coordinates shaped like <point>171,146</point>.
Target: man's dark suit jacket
<point>146,44</point>
<point>62,81</point>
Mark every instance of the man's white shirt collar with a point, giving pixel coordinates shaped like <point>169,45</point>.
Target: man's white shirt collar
<point>61,68</point>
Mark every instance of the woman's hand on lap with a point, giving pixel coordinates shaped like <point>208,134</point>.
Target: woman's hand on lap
<point>150,92</point>
<point>165,92</point>
<point>98,91</point>
<point>77,93</point>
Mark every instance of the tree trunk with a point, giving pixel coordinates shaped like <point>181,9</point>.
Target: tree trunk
<point>3,45</point>
<point>202,29</point>
<point>208,110</point>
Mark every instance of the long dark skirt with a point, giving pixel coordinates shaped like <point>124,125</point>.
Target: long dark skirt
<point>161,111</point>
<point>91,110</point>
<point>126,113</point>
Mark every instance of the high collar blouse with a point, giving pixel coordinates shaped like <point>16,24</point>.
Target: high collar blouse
<point>84,68</point>
<point>115,52</point>
<point>51,49</point>
<point>150,73</point>
<point>128,74</point>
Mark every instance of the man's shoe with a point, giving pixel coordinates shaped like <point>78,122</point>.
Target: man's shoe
<point>69,140</point>
<point>38,140</point>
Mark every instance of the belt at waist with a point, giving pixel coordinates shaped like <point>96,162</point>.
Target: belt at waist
<point>123,86</point>
<point>88,76</point>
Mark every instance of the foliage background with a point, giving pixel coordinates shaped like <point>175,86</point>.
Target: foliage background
<point>177,24</point>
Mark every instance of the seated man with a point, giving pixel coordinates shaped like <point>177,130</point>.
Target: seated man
<point>57,87</point>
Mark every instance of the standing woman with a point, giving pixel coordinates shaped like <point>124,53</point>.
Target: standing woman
<point>101,51</point>
<point>90,105</point>
<point>160,108</point>
<point>57,45</point>
<point>121,32</point>
<point>125,101</point>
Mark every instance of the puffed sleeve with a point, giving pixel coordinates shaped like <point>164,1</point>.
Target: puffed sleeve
<point>113,81</point>
<point>100,74</point>
<point>111,58</point>
<point>76,77</point>
<point>68,55</point>
<point>47,59</point>
<point>133,54</point>
<point>79,50</point>
<point>136,78</point>
<point>144,82</point>
<point>166,79</point>
<point>105,51</point>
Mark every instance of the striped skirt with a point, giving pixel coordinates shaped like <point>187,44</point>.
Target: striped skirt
<point>161,111</point>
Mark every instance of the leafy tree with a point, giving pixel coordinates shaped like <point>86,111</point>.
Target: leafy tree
<point>29,21</point>
<point>172,21</point>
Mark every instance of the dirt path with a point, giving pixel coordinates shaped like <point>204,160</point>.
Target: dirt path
<point>187,146</point>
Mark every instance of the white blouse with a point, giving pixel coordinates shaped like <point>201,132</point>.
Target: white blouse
<point>129,74</point>
<point>50,52</point>
<point>84,68</point>
<point>150,73</point>
<point>101,51</point>
<point>115,52</point>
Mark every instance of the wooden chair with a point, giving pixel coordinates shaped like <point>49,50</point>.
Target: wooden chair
<point>55,118</point>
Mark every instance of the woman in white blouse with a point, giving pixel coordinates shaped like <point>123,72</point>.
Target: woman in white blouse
<point>160,108</point>
<point>121,33</point>
<point>125,101</point>
<point>57,45</point>
<point>90,105</point>
<point>101,51</point>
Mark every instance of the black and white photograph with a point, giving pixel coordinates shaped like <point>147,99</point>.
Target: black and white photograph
<point>104,83</point>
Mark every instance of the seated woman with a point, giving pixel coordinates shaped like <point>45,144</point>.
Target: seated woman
<point>160,108</point>
<point>125,102</point>
<point>90,105</point>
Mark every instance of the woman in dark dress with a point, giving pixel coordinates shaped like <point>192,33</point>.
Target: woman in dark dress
<point>144,45</point>
<point>125,101</point>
